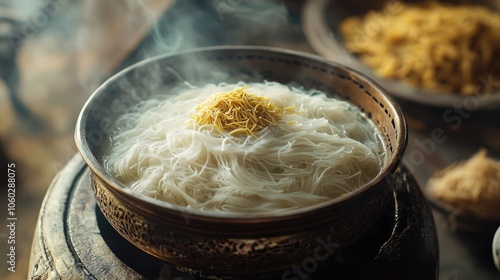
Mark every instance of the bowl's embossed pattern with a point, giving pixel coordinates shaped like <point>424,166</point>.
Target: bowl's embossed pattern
<point>237,244</point>
<point>233,254</point>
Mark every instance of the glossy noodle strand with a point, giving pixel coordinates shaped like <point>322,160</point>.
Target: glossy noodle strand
<point>322,149</point>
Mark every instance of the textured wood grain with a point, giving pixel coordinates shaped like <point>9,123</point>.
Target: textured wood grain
<point>85,239</point>
<point>51,255</point>
<point>69,243</point>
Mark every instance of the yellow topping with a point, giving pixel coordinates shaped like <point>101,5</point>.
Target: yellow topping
<point>238,112</point>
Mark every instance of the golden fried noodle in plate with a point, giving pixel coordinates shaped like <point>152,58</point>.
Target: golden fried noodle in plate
<point>434,46</point>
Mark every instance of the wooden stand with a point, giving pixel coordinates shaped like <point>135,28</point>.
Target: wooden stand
<point>74,241</point>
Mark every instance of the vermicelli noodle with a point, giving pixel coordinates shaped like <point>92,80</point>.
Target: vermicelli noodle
<point>442,47</point>
<point>319,150</point>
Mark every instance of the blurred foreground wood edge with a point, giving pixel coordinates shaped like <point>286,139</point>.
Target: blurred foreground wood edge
<point>52,227</point>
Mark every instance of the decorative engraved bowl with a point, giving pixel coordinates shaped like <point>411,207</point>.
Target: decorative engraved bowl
<point>237,244</point>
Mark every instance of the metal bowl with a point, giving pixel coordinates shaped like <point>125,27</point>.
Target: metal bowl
<point>321,21</point>
<point>237,244</point>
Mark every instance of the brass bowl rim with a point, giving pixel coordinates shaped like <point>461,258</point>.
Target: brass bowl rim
<point>239,218</point>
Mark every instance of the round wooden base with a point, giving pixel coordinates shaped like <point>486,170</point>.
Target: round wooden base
<point>73,240</point>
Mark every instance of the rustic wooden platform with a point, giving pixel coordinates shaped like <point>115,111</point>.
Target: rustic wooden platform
<point>74,241</point>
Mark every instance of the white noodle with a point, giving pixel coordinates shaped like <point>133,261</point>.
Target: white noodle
<point>324,150</point>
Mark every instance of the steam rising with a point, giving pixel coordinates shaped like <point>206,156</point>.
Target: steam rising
<point>192,24</point>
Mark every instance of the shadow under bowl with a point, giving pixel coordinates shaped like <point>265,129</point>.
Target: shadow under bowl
<point>237,244</point>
